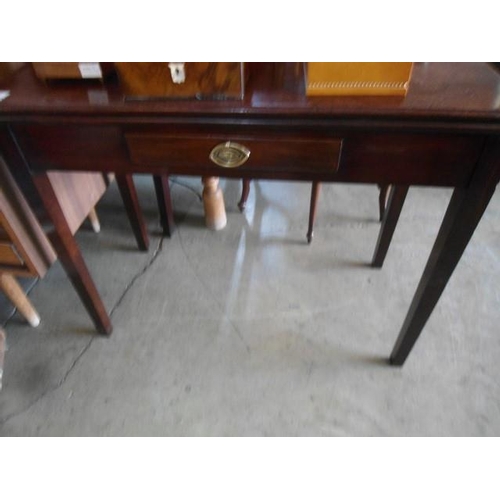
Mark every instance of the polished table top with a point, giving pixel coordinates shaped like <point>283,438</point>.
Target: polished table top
<point>440,95</point>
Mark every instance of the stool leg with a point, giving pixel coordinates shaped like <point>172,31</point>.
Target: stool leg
<point>16,295</point>
<point>213,203</point>
<point>94,221</point>
<point>315,189</point>
<point>244,194</point>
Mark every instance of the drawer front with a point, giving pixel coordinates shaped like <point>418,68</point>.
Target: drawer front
<point>9,255</point>
<point>390,158</point>
<point>12,257</point>
<point>192,154</point>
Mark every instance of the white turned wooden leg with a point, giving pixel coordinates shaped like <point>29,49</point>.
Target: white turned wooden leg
<point>94,220</point>
<point>16,295</point>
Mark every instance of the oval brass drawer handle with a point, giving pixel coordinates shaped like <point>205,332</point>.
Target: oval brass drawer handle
<point>229,154</point>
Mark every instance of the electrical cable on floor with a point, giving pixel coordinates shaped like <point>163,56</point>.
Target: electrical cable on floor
<point>187,186</point>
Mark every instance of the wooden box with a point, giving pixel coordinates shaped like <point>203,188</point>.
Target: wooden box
<point>72,70</point>
<point>200,80</point>
<point>349,78</point>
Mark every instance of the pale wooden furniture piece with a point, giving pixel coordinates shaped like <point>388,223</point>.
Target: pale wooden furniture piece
<point>24,248</point>
<point>78,193</point>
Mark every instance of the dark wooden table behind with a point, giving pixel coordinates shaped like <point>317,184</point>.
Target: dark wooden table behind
<point>445,132</point>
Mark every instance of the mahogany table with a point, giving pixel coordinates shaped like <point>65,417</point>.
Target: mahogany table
<point>445,132</point>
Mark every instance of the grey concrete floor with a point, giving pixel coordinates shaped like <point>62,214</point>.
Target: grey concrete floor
<point>250,331</point>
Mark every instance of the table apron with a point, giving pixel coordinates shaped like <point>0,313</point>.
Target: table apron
<point>331,156</point>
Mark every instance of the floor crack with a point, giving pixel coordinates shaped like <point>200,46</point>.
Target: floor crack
<point>131,283</point>
<point>63,379</point>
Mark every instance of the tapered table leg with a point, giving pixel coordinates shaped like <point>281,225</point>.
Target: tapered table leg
<point>315,190</point>
<point>464,212</point>
<point>392,212</point>
<point>70,256</point>
<point>134,212</point>
<point>164,200</point>
<point>382,200</point>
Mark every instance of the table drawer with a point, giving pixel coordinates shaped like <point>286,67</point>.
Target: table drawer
<point>274,154</point>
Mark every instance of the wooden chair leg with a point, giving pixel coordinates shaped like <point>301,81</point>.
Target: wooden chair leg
<point>315,189</point>
<point>164,200</point>
<point>134,212</point>
<point>94,221</point>
<point>11,288</point>
<point>382,199</point>
<point>392,212</point>
<point>244,194</point>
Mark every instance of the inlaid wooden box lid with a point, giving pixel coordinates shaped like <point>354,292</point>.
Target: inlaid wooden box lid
<point>201,80</point>
<point>355,78</point>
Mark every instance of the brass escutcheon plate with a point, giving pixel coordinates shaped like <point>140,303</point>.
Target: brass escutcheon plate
<point>229,154</point>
